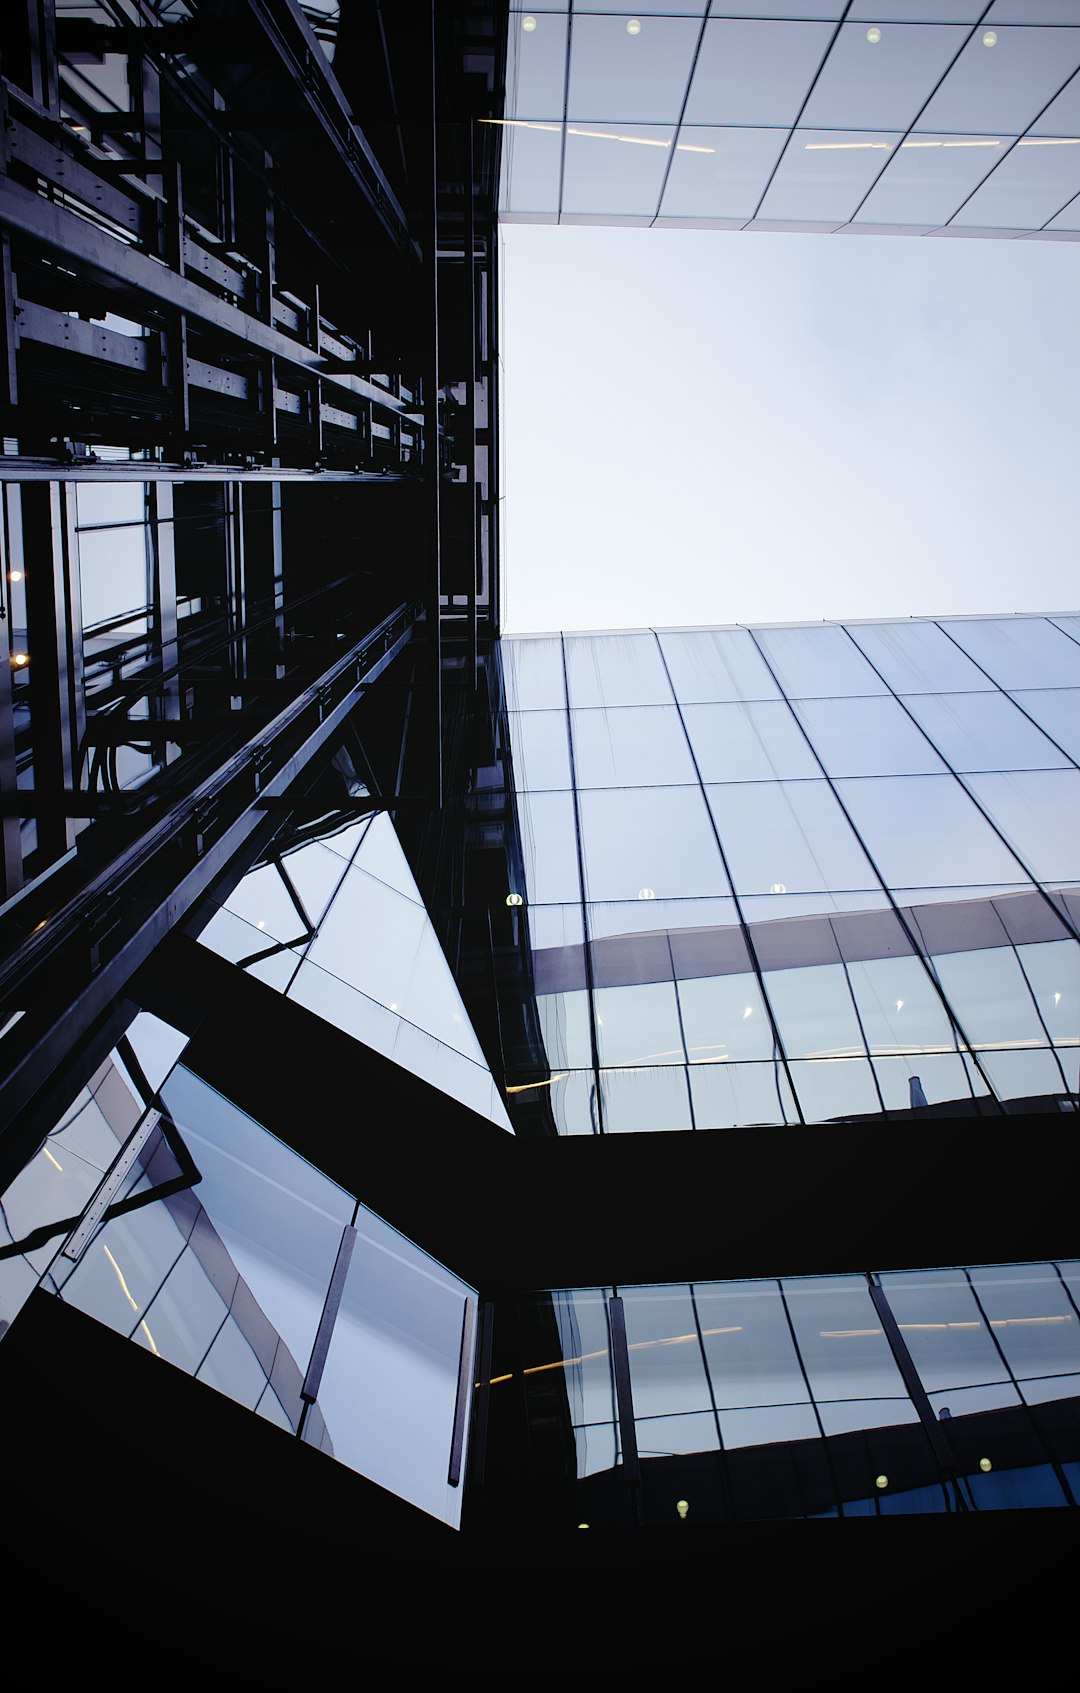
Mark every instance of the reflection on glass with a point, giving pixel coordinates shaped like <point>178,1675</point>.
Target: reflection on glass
<point>881,84</point>
<point>755,72</point>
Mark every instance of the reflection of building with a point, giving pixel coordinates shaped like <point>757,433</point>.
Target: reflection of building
<point>320,888</point>
<point>927,120</point>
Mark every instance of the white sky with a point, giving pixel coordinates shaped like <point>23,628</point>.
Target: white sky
<point>710,427</point>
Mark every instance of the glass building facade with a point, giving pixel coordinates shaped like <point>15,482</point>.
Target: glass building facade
<point>922,118</point>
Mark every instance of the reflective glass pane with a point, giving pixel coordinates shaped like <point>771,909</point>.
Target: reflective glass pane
<point>728,1096</point>
<point>581,1359</point>
<point>667,1370</point>
<point>541,755</point>
<point>748,1343</point>
<point>928,178</point>
<point>983,732</point>
<point>390,1384</point>
<point>112,573</point>
<point>924,831</point>
<point>1005,85</point>
<point>1057,711</point>
<point>879,739</point>
<point>899,1006</point>
<point>824,175</point>
<point>638,1025</point>
<point>122,1268</point>
<point>666,1437</point>
<point>630,746</point>
<point>231,1367</point>
<point>917,657</point>
<point>1033,1320</point>
<point>819,661</point>
<point>734,743</point>
<point>1020,652</point>
<point>905,1082</point>
<point>616,670</point>
<point>815,1012</point>
<point>618,171</point>
<point>1030,185</point>
<point>649,843</point>
<point>788,836</point>
<point>881,83</point>
<point>843,1348</point>
<point>533,671</point>
<point>549,848</point>
<point>531,167</point>
<point>724,1019</point>
<point>755,72</point>
<point>716,664</point>
<point>833,1088</point>
<point>645,1101</point>
<point>1038,812</point>
<point>990,996</point>
<point>564,1026</point>
<point>720,173</point>
<point>536,68</point>
<point>944,1329</point>
<point>1022,1075</point>
<point>637,77</point>
<point>1053,972</point>
<point>185,1316</point>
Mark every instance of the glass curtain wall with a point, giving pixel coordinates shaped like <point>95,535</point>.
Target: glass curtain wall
<point>946,120</point>
<point>791,874</point>
<point>921,1391</point>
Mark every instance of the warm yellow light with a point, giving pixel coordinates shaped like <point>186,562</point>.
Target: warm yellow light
<point>583,1525</point>
<point>881,1481</point>
<point>528,24</point>
<point>990,38</point>
<point>682,1506</point>
<point>985,1465</point>
<point>120,1278</point>
<point>633,27</point>
<point>1050,141</point>
<point>19,659</point>
<point>873,35</point>
<point>847,146</point>
<point>52,1160</point>
<point>525,1087</point>
<point>15,575</point>
<point>514,899</point>
<point>150,1339</point>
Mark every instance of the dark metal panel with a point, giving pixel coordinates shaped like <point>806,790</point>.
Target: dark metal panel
<point>464,1391</point>
<point>624,1399</point>
<point>93,340</point>
<point>331,1306</point>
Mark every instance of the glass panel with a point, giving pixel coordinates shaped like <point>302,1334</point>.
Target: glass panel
<point>639,77</point>
<point>716,664</point>
<point>943,1328</point>
<point>748,1345</point>
<point>564,1027</point>
<point>667,1370</point>
<point>541,756</point>
<point>936,1078</point>
<point>123,1267</point>
<point>667,1437</point>
<point>689,923</point>
<point>638,1025</point>
<point>112,573</point>
<point>583,1363</point>
<point>1053,972</point>
<point>926,180</point>
<point>649,843</point>
<point>735,743</point>
<point>615,171</point>
<point>1003,86</point>
<point>549,848</point>
<point>823,176</point>
<point>816,662</point>
<point>1031,1316</point>
<point>379,854</point>
<point>899,1007</point>
<point>110,502</point>
<point>720,173</point>
<point>728,1096</point>
<point>1020,652</point>
<point>645,1101</point>
<point>531,167</point>
<point>184,1318</point>
<point>833,1088</point>
<point>536,68</point>
<point>1057,711</point>
<point>1039,814</point>
<point>1062,116</point>
<point>630,746</point>
<point>983,732</point>
<point>844,1350</point>
<point>989,995</point>
<point>918,658</point>
<point>814,1012</point>
<point>390,1384</point>
<point>924,831</point>
<point>879,739</point>
<point>533,672</point>
<point>755,72</point>
<point>616,670</point>
<point>881,81</point>
<point>231,1367</point>
<point>279,1218</point>
<point>392,927</point>
<point>724,1019</point>
<point>788,837</point>
<point>1029,186</point>
<point>1033,1074</point>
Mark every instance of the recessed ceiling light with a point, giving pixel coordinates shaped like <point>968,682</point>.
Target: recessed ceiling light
<point>778,888</point>
<point>528,23</point>
<point>633,27</point>
<point>646,893</point>
<point>873,35</point>
<point>990,38</point>
<point>514,899</point>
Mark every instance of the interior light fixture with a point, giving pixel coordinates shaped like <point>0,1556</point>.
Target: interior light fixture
<point>646,893</point>
<point>847,146</point>
<point>15,575</point>
<point>393,1005</point>
<point>1057,999</point>
<point>749,1012</point>
<point>778,888</point>
<point>528,23</point>
<point>899,1005</point>
<point>881,1481</point>
<point>20,659</point>
<point>682,1506</point>
<point>873,35</point>
<point>261,924</point>
<point>633,27</point>
<point>985,1465</point>
<point>990,38</point>
<point>514,899</point>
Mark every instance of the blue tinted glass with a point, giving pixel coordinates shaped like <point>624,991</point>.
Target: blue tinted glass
<point>638,1024</point>
<point>549,847</point>
<point>616,670</point>
<point>1038,812</point>
<point>531,167</point>
<point>667,1369</point>
<point>1032,1318</point>
<point>843,1348</point>
<point>720,173</point>
<point>788,836</point>
<point>1057,712</point>
<point>645,1101</point>
<point>814,1012</point>
<point>830,1089</point>
<point>879,739</point>
<point>727,1096</point>
<point>990,997</point>
<point>541,754</point>
<point>1020,652</point>
<point>649,843</point>
<point>632,77</point>
<point>1030,185</point>
<point>735,743</point>
<point>617,171</point>
<point>1053,972</point>
<point>536,68</point>
<point>983,732</point>
<point>822,177</point>
<point>638,746</point>
<point>924,831</point>
<point>917,657</point>
<point>928,178</point>
<point>818,662</point>
<point>755,72</point>
<point>533,671</point>
<point>724,1019</point>
<point>882,83</point>
<point>716,664</point>
<point>1005,85</point>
